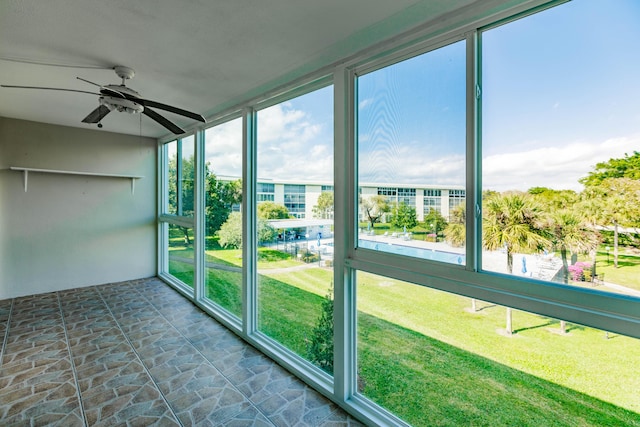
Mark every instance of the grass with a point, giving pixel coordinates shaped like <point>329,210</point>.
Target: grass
<point>433,363</point>
<point>627,272</point>
<point>428,382</point>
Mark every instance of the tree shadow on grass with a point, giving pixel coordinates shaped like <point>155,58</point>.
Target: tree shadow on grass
<point>542,325</point>
<point>429,382</point>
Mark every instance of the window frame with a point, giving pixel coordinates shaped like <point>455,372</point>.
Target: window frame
<point>594,308</point>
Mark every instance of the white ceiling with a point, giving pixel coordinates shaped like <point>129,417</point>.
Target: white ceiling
<point>197,54</point>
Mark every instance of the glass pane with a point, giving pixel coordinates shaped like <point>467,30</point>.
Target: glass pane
<point>560,134</point>
<point>295,225</point>
<point>223,197</point>
<point>181,259</point>
<point>172,178</point>
<point>411,157</point>
<point>444,359</point>
<point>187,177</point>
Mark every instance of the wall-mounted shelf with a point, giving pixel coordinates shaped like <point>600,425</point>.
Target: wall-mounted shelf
<point>26,171</point>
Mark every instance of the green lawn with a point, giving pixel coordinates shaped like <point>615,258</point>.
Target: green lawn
<point>628,271</point>
<point>425,358</point>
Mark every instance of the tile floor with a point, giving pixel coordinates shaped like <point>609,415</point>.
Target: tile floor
<point>138,353</point>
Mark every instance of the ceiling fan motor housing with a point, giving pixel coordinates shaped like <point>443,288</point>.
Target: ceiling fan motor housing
<point>121,104</point>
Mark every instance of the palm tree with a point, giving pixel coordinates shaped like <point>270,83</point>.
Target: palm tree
<point>456,231</point>
<point>617,201</point>
<point>569,233</point>
<point>513,221</point>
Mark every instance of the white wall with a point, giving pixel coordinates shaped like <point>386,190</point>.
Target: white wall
<point>71,231</point>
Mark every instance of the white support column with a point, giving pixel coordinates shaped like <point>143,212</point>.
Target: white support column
<point>249,224</point>
<point>199,228</point>
<point>345,227</point>
<point>473,197</point>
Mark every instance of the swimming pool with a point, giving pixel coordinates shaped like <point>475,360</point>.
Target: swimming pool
<point>412,251</point>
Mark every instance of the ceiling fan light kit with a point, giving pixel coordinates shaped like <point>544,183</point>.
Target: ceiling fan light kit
<point>124,99</point>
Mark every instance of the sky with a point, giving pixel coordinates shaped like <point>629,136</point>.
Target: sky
<point>560,93</point>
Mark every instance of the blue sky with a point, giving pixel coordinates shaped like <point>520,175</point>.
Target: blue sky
<point>561,92</point>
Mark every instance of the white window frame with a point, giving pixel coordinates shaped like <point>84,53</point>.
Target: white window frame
<point>607,311</point>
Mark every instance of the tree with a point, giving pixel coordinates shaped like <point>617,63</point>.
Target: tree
<point>434,221</point>
<point>220,196</point>
<point>324,208</point>
<point>404,216</point>
<point>456,231</point>
<point>266,233</point>
<point>272,210</point>
<point>514,222</point>
<point>617,204</point>
<point>320,347</point>
<point>230,233</point>
<point>626,167</point>
<point>184,205</point>
<point>569,233</point>
<point>374,207</point>
<point>553,200</point>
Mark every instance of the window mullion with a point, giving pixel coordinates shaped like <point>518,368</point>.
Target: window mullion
<point>473,156</point>
<point>199,218</point>
<point>249,223</point>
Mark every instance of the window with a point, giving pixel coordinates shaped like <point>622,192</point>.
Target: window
<point>432,201</point>
<point>177,233</point>
<point>446,359</point>
<point>543,139</point>
<point>411,130</point>
<point>266,192</point>
<point>295,255</point>
<point>407,196</point>
<point>223,221</point>
<point>426,295</point>
<point>456,200</point>
<point>179,189</point>
<point>294,199</point>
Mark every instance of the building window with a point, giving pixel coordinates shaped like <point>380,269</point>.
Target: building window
<point>294,199</point>
<point>456,198</point>
<point>407,196</point>
<point>265,192</point>
<point>432,201</point>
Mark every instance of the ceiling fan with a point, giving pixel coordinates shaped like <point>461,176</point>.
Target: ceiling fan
<point>124,99</point>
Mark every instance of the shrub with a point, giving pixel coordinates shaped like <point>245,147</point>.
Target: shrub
<point>308,256</point>
<point>580,271</point>
<point>320,346</point>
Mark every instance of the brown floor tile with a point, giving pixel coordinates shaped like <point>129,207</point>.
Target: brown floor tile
<point>138,353</point>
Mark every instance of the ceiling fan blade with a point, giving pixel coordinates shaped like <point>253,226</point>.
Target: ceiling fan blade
<point>163,121</point>
<point>175,110</point>
<point>49,88</point>
<point>110,92</point>
<point>96,115</point>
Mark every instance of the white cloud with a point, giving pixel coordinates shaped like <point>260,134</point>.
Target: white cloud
<point>365,103</point>
<point>553,167</point>
<point>292,146</point>
<point>223,148</point>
